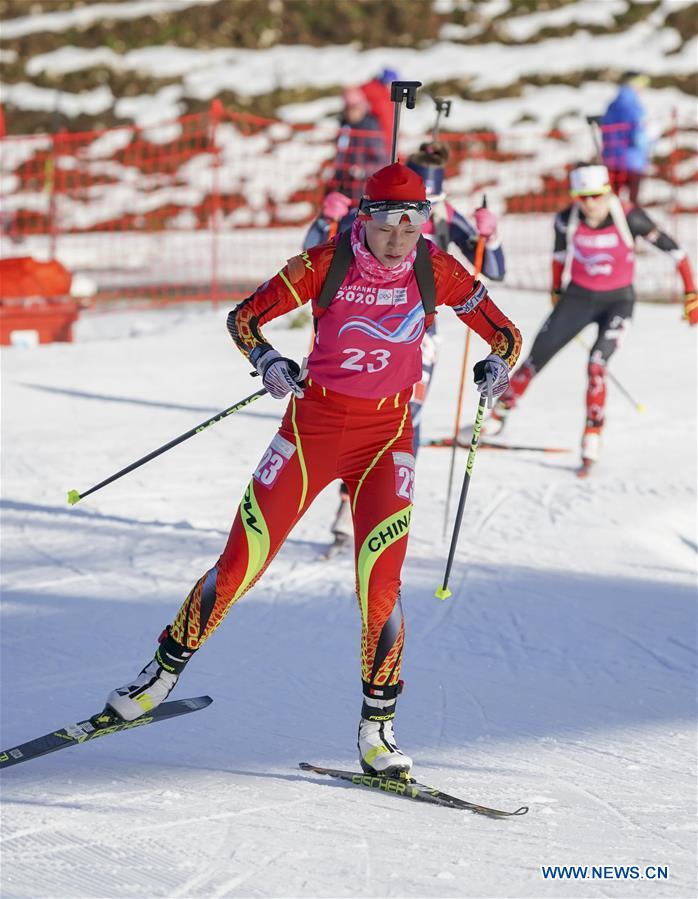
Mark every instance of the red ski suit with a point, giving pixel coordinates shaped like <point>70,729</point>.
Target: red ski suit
<point>327,435</point>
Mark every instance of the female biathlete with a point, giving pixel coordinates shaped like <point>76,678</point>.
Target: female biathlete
<point>445,226</point>
<point>348,418</point>
<point>594,255</point>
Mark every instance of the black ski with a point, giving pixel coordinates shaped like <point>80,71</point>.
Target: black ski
<point>411,789</point>
<point>496,445</point>
<point>99,725</point>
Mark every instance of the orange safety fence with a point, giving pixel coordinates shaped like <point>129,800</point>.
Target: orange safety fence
<point>212,204</point>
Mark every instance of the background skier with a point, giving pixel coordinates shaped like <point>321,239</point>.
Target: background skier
<point>592,282</point>
<point>626,143</point>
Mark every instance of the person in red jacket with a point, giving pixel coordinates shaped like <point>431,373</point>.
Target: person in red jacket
<point>592,276</point>
<point>361,147</point>
<point>348,418</point>
<point>377,93</point>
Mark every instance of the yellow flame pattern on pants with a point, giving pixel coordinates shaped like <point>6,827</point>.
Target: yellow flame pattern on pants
<point>201,612</point>
<point>393,528</point>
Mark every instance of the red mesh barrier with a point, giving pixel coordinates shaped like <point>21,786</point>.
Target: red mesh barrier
<point>209,206</point>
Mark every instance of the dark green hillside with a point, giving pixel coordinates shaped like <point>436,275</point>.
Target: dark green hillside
<point>257,24</point>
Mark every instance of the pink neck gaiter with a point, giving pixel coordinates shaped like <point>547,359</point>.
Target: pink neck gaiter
<point>370,268</point>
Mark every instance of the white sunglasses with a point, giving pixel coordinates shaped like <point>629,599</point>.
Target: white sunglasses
<point>392,212</point>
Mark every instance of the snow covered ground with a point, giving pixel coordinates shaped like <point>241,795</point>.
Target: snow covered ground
<point>561,674</point>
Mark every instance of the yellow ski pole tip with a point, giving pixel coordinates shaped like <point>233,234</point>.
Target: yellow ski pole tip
<point>73,497</point>
<point>641,407</point>
<point>442,593</point>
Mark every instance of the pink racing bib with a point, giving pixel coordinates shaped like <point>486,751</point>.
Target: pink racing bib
<point>601,260</point>
<point>368,340</point>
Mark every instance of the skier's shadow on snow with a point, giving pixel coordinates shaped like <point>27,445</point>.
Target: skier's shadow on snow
<point>299,778</point>
<point>87,517</point>
<point>515,654</point>
<point>137,401</point>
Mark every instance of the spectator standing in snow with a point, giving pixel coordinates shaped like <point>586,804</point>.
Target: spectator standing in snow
<point>361,148</point>
<point>377,92</point>
<point>626,145</point>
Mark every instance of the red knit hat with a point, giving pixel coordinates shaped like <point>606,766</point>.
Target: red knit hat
<point>396,182</point>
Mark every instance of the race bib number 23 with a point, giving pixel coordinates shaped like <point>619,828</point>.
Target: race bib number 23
<point>404,475</point>
<point>274,460</point>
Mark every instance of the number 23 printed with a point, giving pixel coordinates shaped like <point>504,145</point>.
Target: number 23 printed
<point>378,360</point>
<point>404,475</point>
<point>273,460</point>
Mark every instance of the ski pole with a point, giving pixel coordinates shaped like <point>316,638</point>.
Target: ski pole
<point>594,123</point>
<point>456,429</point>
<point>479,255</point>
<point>629,397</point>
<point>443,107</point>
<point>399,91</point>
<point>74,496</point>
<point>443,592</point>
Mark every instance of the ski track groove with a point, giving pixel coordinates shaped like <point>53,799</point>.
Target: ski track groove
<point>445,607</point>
<point>623,817</point>
<point>490,509</point>
<point>60,564</point>
<point>143,573</point>
<point>654,833</point>
<point>584,791</point>
<point>442,713</point>
<point>200,881</point>
<point>57,840</point>
<point>234,882</point>
<point>86,803</point>
<point>480,708</point>
<point>586,747</point>
<point>685,646</point>
<point>367,868</point>
<point>548,498</point>
<point>664,663</point>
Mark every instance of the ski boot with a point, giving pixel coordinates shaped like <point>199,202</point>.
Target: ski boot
<point>342,527</point>
<point>378,750</point>
<point>154,683</point>
<point>491,427</point>
<point>591,449</point>
<point>497,420</point>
